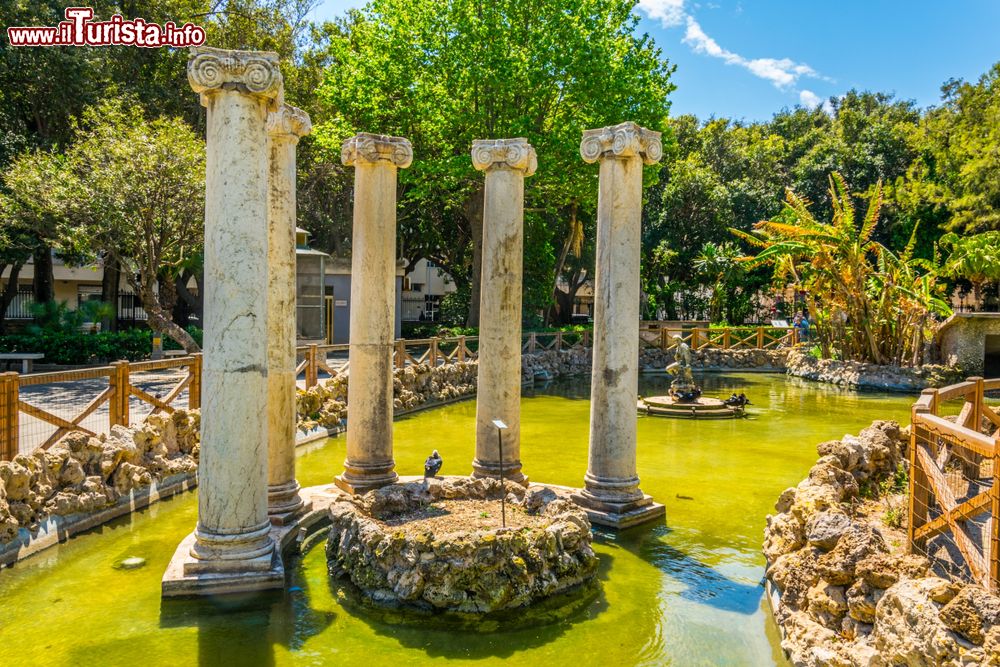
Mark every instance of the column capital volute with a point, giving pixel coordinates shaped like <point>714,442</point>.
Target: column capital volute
<point>515,154</point>
<point>250,72</point>
<point>375,148</point>
<point>288,121</point>
<point>621,141</point>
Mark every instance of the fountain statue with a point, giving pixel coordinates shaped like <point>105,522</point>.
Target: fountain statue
<point>684,400</point>
<point>683,388</point>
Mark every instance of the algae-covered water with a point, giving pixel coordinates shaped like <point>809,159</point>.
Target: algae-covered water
<point>685,593</point>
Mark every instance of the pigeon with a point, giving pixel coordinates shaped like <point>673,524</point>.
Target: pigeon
<point>433,464</point>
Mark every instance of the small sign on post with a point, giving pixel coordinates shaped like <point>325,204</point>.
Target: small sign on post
<point>501,427</point>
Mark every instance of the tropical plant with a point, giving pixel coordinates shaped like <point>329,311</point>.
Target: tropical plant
<point>718,264</point>
<point>867,303</point>
<point>975,258</point>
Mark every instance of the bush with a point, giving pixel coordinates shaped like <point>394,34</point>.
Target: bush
<point>74,348</point>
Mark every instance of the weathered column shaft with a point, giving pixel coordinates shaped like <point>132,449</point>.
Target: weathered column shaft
<point>375,159</point>
<point>615,372</point>
<point>506,163</point>
<point>285,127</point>
<point>237,89</point>
<point>612,482</point>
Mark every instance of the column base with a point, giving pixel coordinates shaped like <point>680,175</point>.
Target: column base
<point>367,475</point>
<point>511,471</point>
<point>615,512</point>
<point>187,576</point>
<point>284,503</point>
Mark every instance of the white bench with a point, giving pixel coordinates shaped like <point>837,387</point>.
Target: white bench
<point>26,359</point>
<point>174,353</point>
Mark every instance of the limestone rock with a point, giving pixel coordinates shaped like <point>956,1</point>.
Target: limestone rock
<point>784,534</point>
<point>824,529</point>
<point>81,473</point>
<point>858,542</point>
<point>908,630</point>
<point>473,570</point>
<point>972,613</point>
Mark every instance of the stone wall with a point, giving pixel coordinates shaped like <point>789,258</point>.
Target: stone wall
<point>856,374</point>
<point>576,361</point>
<point>844,590</point>
<point>82,474</point>
<point>962,340</point>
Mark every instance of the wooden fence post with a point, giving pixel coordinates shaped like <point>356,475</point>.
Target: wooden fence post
<point>977,406</point>
<point>760,338</point>
<point>531,343</point>
<point>586,338</point>
<point>461,348</point>
<point>558,340</point>
<point>118,413</point>
<point>400,353</point>
<point>919,497</point>
<point>312,367</point>
<point>694,338</point>
<point>664,339</point>
<point>727,338</point>
<point>9,412</point>
<point>194,389</point>
<point>433,355</point>
<point>994,537</point>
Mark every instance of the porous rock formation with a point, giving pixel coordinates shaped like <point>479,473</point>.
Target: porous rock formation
<point>476,571</point>
<point>82,473</point>
<point>848,595</point>
<point>874,376</point>
<point>325,404</point>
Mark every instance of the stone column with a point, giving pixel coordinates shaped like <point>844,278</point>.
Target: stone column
<point>238,89</point>
<point>506,163</point>
<point>375,159</point>
<point>612,495</point>
<point>285,126</point>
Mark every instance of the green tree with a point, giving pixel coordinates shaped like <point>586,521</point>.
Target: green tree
<point>129,189</point>
<point>975,258</point>
<point>445,73</point>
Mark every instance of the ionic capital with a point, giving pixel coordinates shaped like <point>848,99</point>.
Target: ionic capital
<point>251,72</point>
<point>288,121</point>
<point>622,140</point>
<point>515,154</point>
<point>373,148</point>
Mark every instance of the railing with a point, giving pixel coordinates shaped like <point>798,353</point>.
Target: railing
<point>725,338</point>
<point>954,489</point>
<point>37,410</point>
<point>333,359</point>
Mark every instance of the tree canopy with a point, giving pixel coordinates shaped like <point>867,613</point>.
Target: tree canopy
<point>445,73</point>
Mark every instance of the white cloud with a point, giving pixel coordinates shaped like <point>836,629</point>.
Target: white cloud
<point>668,12</point>
<point>784,73</point>
<point>809,99</point>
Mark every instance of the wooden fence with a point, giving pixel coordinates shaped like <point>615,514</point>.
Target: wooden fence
<point>954,495</point>
<point>725,338</point>
<point>87,414</point>
<point>60,412</point>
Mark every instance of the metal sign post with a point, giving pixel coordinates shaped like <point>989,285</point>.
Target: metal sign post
<point>501,427</point>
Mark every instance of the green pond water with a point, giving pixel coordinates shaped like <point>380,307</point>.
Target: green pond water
<point>685,593</point>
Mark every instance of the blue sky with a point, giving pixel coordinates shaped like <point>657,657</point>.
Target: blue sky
<point>748,59</point>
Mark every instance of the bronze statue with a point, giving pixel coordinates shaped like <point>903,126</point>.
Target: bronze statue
<point>683,388</point>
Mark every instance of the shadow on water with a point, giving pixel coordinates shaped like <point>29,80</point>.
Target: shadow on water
<point>479,636</point>
<point>701,583</point>
<point>244,629</point>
